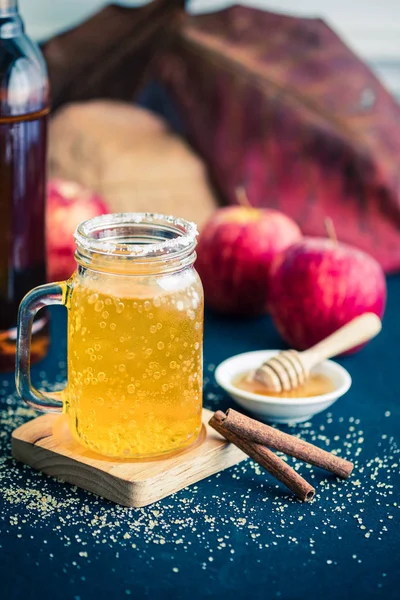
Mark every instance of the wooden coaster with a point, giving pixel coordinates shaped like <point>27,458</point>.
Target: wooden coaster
<point>46,444</point>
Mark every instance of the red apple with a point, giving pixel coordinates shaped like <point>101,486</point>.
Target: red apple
<point>68,204</point>
<point>235,252</point>
<point>318,285</point>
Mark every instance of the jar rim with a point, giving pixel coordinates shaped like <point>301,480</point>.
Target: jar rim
<point>114,234</point>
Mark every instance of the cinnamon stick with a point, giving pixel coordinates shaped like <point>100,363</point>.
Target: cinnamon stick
<point>260,433</point>
<point>267,459</point>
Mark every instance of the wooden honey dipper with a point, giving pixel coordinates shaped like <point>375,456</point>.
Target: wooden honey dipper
<point>290,369</point>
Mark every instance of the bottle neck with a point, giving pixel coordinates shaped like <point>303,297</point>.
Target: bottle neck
<point>11,24</point>
<point>8,7</point>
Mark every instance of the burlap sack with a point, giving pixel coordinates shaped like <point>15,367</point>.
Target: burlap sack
<point>131,158</point>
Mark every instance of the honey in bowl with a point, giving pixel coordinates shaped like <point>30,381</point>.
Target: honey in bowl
<point>316,385</point>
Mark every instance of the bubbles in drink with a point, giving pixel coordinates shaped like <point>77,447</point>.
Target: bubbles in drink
<point>98,307</point>
<point>120,307</point>
<point>135,376</point>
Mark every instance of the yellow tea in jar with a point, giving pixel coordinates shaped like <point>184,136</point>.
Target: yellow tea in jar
<point>135,337</point>
<point>135,364</point>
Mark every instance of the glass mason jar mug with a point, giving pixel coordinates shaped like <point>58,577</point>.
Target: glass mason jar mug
<point>135,335</point>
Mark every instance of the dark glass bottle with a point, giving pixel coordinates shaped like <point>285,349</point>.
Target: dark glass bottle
<point>24,108</point>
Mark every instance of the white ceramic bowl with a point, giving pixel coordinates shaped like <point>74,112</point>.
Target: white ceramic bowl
<point>279,410</point>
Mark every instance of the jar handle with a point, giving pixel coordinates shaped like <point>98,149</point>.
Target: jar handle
<point>39,297</point>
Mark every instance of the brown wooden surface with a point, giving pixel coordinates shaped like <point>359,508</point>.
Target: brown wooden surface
<point>46,444</point>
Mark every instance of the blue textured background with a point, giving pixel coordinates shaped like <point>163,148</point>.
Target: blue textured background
<point>238,533</point>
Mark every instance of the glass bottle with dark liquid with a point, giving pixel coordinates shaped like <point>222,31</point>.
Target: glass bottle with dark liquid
<point>24,107</point>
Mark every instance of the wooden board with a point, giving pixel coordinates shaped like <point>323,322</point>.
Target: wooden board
<point>46,444</point>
